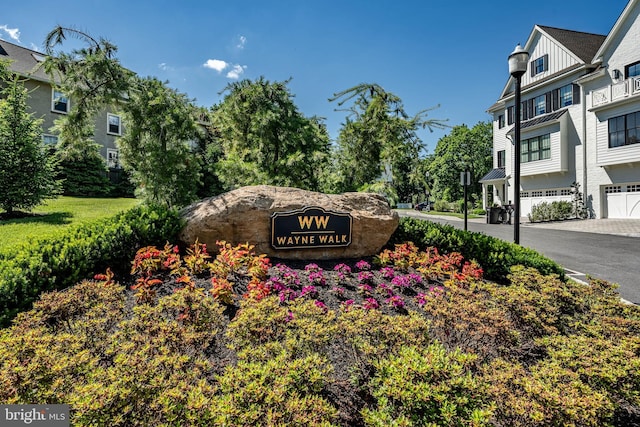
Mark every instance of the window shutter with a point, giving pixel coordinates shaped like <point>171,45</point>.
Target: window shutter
<point>545,62</point>
<point>510,115</point>
<point>525,113</point>
<point>576,94</point>
<point>532,108</point>
<point>547,99</point>
<point>532,68</point>
<point>555,101</point>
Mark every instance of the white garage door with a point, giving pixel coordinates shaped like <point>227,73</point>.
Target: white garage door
<point>621,203</point>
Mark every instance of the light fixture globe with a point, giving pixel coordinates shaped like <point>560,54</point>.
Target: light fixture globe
<point>518,61</point>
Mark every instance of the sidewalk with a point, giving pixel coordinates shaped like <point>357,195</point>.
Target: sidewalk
<point>622,227</point>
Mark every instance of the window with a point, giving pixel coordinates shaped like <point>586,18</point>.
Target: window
<point>551,193</point>
<point>59,102</point>
<point>624,130</point>
<point>536,194</point>
<point>49,139</point>
<point>112,158</point>
<point>632,70</point>
<point>539,65</point>
<point>540,105</point>
<point>565,192</point>
<point>501,158</point>
<point>500,121</point>
<point>565,95</point>
<point>613,189</point>
<point>113,124</point>
<point>538,148</point>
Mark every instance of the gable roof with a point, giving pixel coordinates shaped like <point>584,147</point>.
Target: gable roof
<point>582,45</point>
<point>597,57</point>
<point>25,62</point>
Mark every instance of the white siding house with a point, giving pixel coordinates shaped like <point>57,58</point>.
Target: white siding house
<point>580,121</point>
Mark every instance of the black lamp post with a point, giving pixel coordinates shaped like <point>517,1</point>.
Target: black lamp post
<point>518,61</point>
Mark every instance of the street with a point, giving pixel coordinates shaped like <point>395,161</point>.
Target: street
<point>603,256</point>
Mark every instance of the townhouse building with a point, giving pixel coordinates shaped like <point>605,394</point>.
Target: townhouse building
<point>580,121</point>
<point>48,103</point>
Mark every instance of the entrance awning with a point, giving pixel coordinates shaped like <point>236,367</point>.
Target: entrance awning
<point>496,174</point>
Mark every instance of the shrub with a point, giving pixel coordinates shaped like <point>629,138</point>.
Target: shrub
<point>554,211</point>
<point>427,386</point>
<point>46,265</point>
<point>442,206</point>
<point>494,255</point>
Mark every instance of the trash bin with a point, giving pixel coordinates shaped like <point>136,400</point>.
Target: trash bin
<point>493,215</point>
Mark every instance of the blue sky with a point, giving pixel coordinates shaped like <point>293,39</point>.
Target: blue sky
<point>428,52</point>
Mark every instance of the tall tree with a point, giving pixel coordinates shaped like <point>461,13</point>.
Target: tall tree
<point>92,78</point>
<point>155,147</point>
<point>378,147</point>
<point>461,148</point>
<point>265,139</point>
<point>26,169</point>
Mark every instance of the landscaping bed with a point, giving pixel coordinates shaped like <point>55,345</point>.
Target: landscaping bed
<point>411,337</point>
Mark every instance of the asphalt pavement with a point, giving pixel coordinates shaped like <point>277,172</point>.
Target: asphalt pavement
<point>607,249</point>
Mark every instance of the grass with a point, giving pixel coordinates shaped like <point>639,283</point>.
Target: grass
<point>56,215</point>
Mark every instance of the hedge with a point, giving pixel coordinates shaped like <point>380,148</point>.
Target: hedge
<point>496,256</point>
<point>49,264</point>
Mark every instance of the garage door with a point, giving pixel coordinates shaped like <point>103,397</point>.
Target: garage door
<point>623,201</point>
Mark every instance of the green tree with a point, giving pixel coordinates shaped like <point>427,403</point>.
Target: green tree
<point>378,147</point>
<point>92,78</point>
<point>266,140</point>
<point>461,148</point>
<point>155,147</point>
<point>26,169</point>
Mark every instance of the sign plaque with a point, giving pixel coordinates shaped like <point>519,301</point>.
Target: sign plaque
<point>310,227</point>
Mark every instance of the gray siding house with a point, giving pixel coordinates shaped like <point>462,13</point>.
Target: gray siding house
<point>47,103</point>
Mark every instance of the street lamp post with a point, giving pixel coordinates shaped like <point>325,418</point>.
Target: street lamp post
<point>518,61</point>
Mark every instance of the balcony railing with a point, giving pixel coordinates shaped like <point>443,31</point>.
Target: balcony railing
<point>616,91</point>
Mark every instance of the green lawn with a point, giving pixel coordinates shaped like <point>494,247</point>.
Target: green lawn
<point>56,215</point>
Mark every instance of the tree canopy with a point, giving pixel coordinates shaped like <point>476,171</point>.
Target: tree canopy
<point>26,169</point>
<point>461,148</point>
<point>265,139</point>
<point>378,148</point>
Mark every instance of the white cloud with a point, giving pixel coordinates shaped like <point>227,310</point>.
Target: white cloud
<point>14,33</point>
<point>236,71</point>
<point>216,64</point>
<point>242,41</point>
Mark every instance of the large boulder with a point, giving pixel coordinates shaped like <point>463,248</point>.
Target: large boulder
<point>291,223</point>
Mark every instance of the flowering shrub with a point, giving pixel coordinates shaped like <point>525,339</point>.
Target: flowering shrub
<point>423,340</point>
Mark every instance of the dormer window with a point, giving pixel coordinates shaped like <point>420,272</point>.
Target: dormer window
<point>59,102</point>
<point>539,65</point>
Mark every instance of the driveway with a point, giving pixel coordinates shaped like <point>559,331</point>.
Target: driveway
<point>602,248</point>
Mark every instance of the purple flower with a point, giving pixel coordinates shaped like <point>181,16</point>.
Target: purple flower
<point>421,298</point>
<point>363,265</point>
<point>287,294</point>
<point>312,267</point>
<point>370,304</point>
<point>342,268</point>
<point>385,289</point>
<point>395,301</point>
<point>388,272</point>
<point>365,277</point>
<point>321,305</point>
<point>401,282</point>
<point>365,289</point>
<point>309,290</point>
<point>317,278</point>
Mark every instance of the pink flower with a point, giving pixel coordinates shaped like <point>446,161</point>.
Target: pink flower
<point>363,265</point>
<point>370,304</point>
